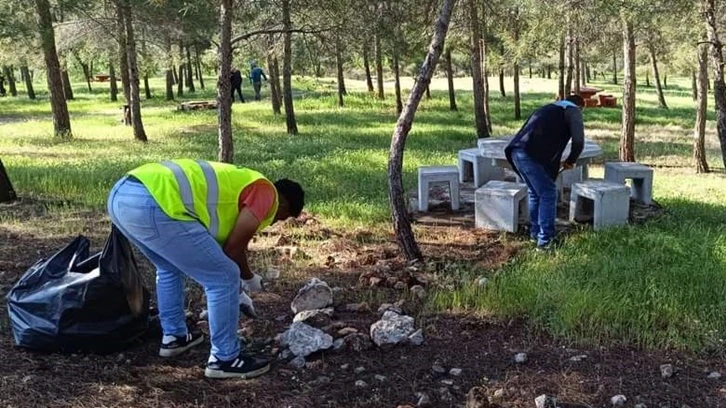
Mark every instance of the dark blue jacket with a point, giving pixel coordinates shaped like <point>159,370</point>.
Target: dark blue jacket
<point>546,133</point>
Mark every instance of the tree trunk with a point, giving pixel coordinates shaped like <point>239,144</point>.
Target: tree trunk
<point>123,55</point>
<point>61,119</point>
<point>656,77</point>
<point>530,69</point>
<point>615,68</point>
<point>287,69</point>
<point>180,84</point>
<point>7,193</point>
<point>428,92</point>
<point>274,84</point>
<point>86,71</point>
<point>450,80</point>
<point>480,114</point>
<point>484,67</point>
<point>367,67</point>
<point>694,85</point>
<point>169,69</point>
<point>276,77</point>
<point>627,136</point>
<point>174,74</point>
<point>198,64</point>
<point>339,66</point>
<point>67,86</point>
<point>578,73</point>
<point>224,86</point>
<point>397,82</point>
<point>517,103</point>
<point>379,67</point>
<point>11,80</point>
<point>647,80</point>
<point>699,136</point>
<point>190,72</point>
<point>665,81</point>
<point>139,132</point>
<point>501,83</point>
<point>112,78</point>
<point>399,213</point>
<point>147,90</point>
<point>29,82</point>
<point>561,67</point>
<point>587,77</point>
<point>549,71</point>
<point>570,61</point>
<point>717,62</point>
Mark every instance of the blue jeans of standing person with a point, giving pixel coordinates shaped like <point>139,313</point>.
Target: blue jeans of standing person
<point>179,249</point>
<point>542,196</point>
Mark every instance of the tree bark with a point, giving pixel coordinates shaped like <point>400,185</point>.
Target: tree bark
<point>480,115</point>
<point>198,64</point>
<point>549,71</point>
<point>399,213</point>
<point>276,77</point>
<point>570,61</point>
<point>9,74</point>
<point>182,74</point>
<point>561,67</point>
<point>367,67</point>
<point>224,86</point>
<point>138,124</point>
<point>485,70</point>
<point>287,69</point>
<point>627,136</point>
<point>7,193</point>
<point>67,86</point>
<point>61,118</point>
<point>86,71</point>
<point>578,73</point>
<point>694,85</point>
<point>339,68</point>
<point>717,61</point>
<point>24,72</point>
<point>274,84</point>
<point>190,72</point>
<point>647,80</point>
<point>517,102</point>
<point>379,67</point>
<point>147,90</point>
<point>169,69</point>
<point>123,55</point>
<point>699,134</point>
<point>112,78</point>
<point>397,83</point>
<point>501,83</point>
<point>656,77</point>
<point>450,80</point>
<point>615,68</point>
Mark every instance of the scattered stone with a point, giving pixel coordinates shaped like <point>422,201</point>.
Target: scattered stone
<point>641,405</point>
<point>297,362</point>
<point>418,291</point>
<point>666,370</point>
<point>423,399</point>
<point>338,344</point>
<point>445,394</point>
<point>520,358</point>
<point>455,372</point>
<point>393,328</point>
<point>346,331</point>
<point>317,318</point>
<point>499,393</point>
<point>323,380</point>
<point>304,340</point>
<point>286,354</point>
<point>380,378</point>
<point>357,307</point>
<point>400,285</point>
<point>714,375</point>
<point>578,358</point>
<point>361,384</point>
<point>545,401</point>
<point>337,289</point>
<point>482,282</point>
<point>477,398</point>
<point>438,369</point>
<point>358,342</point>
<point>204,315</point>
<point>359,370</point>
<point>416,338</point>
<point>375,281</point>
<point>316,294</point>
<point>618,400</point>
<point>281,318</point>
<point>384,307</point>
<point>345,366</point>
<point>447,381</point>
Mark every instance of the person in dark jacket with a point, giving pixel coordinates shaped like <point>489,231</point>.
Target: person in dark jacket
<point>535,153</point>
<point>256,76</point>
<point>236,81</point>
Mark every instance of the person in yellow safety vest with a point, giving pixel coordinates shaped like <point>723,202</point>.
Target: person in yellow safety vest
<point>195,218</point>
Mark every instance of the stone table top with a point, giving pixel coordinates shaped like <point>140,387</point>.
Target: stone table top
<point>493,148</point>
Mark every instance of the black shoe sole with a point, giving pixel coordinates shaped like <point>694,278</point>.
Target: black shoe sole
<point>180,350</point>
<point>220,374</point>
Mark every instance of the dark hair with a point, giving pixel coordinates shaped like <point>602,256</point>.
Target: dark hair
<point>577,100</point>
<point>293,193</point>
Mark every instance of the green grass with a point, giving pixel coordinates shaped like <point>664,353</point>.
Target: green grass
<point>656,285</point>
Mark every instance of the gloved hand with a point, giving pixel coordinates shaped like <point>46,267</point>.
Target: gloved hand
<point>246,306</point>
<point>253,285</point>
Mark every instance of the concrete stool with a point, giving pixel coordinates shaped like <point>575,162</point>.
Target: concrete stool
<point>437,174</point>
<point>473,165</point>
<point>498,204</point>
<point>642,177</point>
<point>611,202</point>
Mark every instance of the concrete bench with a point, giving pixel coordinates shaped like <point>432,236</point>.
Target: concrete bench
<point>472,165</point>
<point>498,205</point>
<point>429,175</point>
<point>611,202</point>
<point>642,177</point>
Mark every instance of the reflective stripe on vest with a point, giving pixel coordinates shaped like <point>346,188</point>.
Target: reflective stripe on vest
<point>185,189</point>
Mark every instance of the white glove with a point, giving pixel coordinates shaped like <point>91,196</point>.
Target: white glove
<point>246,306</point>
<point>253,285</point>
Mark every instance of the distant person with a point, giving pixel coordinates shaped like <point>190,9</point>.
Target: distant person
<point>195,219</point>
<point>256,75</point>
<point>236,81</point>
<point>535,153</point>
<point>2,85</point>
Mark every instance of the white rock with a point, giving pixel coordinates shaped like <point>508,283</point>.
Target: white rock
<point>666,370</point>
<point>423,399</point>
<point>297,362</point>
<point>393,328</point>
<point>482,282</point>
<point>359,370</point>
<point>380,378</point>
<point>545,401</point>
<point>345,366</point>
<point>361,384</point>
<point>416,338</point>
<point>316,294</point>
<point>204,315</point>
<point>499,393</point>
<point>384,307</point>
<point>520,358</point>
<point>304,340</point>
<point>317,318</point>
<point>418,291</point>
<point>447,381</point>
<point>455,372</point>
<point>338,344</point>
<point>714,375</point>
<point>578,358</point>
<point>618,400</point>
<point>641,405</point>
<point>438,369</point>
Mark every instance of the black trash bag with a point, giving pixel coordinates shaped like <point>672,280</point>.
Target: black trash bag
<point>73,302</point>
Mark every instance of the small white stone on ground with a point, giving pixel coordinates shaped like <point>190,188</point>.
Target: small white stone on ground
<point>545,401</point>
<point>361,384</point>
<point>316,294</point>
<point>641,405</point>
<point>418,291</point>
<point>520,358</point>
<point>359,370</point>
<point>714,375</point>
<point>345,366</point>
<point>393,328</point>
<point>499,393</point>
<point>423,399</point>
<point>447,381</point>
<point>618,400</point>
<point>438,369</point>
<point>338,344</point>
<point>384,307</point>
<point>304,340</point>
<point>455,372</point>
<point>416,338</point>
<point>380,378</point>
<point>482,281</point>
<point>578,358</point>
<point>666,370</point>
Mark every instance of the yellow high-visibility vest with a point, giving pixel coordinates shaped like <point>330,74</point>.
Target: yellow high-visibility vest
<point>201,190</point>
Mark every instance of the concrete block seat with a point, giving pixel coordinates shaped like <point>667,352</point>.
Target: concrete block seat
<point>429,175</point>
<point>498,205</point>
<point>472,165</point>
<point>640,174</point>
<point>611,202</point>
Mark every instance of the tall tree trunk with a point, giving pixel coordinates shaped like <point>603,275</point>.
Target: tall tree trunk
<point>561,67</point>
<point>67,86</point>
<point>397,82</point>
<point>169,69</point>
<point>11,80</point>
<point>717,61</point>
<point>7,193</point>
<point>276,77</point>
<point>484,46</point>
<point>549,71</point>
<point>578,73</point>
<point>180,84</point>
<point>112,78</point>
<point>570,60</point>
<point>656,77</point>
<point>147,90</point>
<point>517,103</point>
<point>647,80</point>
<point>665,81</point>
<point>29,82</point>
<point>190,72</point>
<point>287,69</point>
<point>694,85</point>
<point>379,67</point>
<point>627,136</point>
<point>339,66</point>
<point>588,77</point>
<point>699,136</point>
<point>480,114</point>
<point>123,55</point>
<point>367,67</point>
<point>86,71</point>
<point>530,68</point>
<point>138,124</point>
<point>450,80</point>
<point>198,65</point>
<point>501,83</point>
<point>615,68</point>
<point>61,119</point>
<point>175,75</point>
<point>399,213</point>
<point>428,92</point>
<point>274,84</point>
<point>225,151</point>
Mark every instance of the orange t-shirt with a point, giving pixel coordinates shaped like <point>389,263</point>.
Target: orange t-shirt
<point>258,197</point>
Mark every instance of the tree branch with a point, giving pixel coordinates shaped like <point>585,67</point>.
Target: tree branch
<point>250,34</point>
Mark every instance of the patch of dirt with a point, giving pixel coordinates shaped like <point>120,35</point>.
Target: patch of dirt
<point>483,348</point>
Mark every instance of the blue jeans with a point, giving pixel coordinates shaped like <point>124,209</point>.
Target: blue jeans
<point>179,248</point>
<point>542,196</point>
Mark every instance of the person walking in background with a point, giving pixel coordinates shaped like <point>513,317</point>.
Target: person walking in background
<point>256,76</point>
<point>236,81</point>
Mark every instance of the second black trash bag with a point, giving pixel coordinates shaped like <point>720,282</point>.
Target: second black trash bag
<point>73,302</point>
